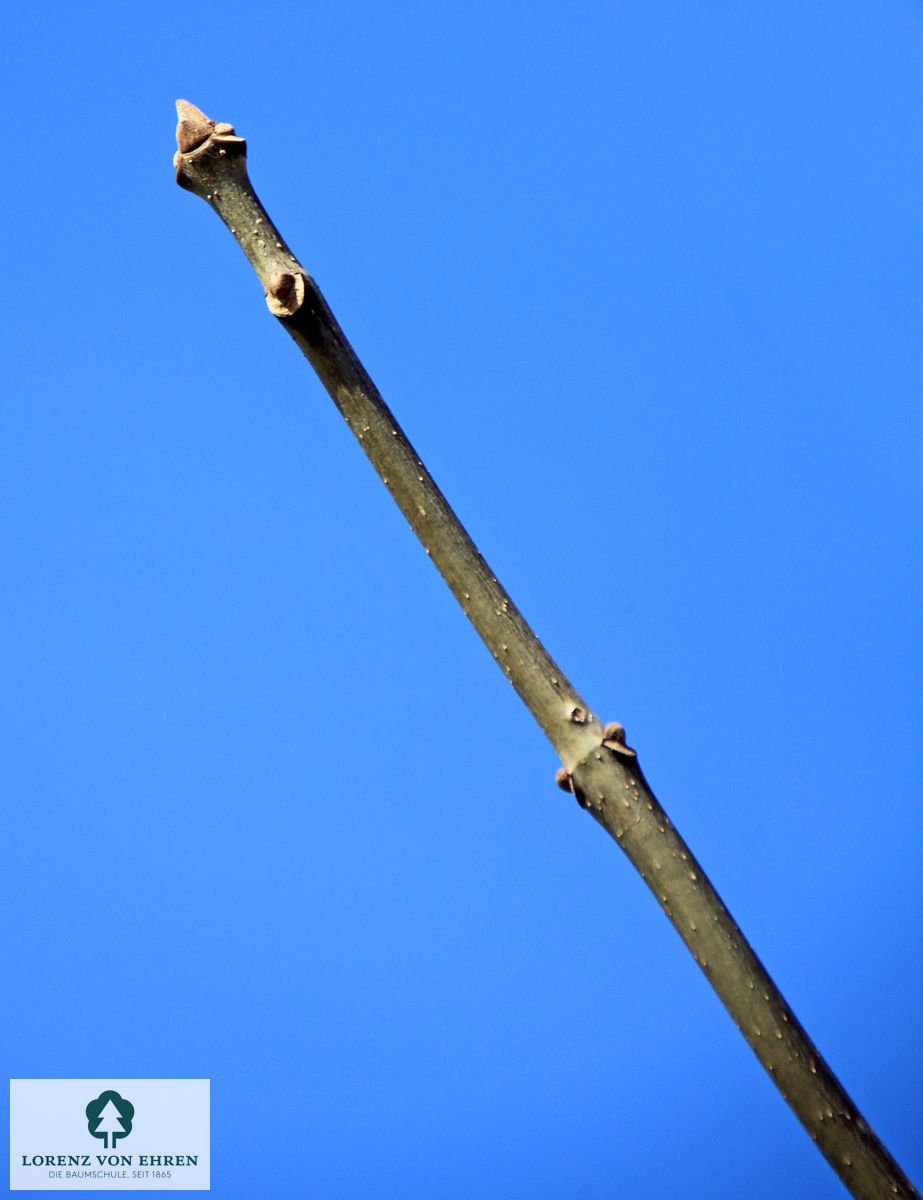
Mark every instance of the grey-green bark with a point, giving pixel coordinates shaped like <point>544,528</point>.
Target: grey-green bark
<point>601,771</point>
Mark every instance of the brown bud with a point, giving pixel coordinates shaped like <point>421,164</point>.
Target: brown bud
<point>193,128</point>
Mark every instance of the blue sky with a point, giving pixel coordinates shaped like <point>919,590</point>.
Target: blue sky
<point>643,284</point>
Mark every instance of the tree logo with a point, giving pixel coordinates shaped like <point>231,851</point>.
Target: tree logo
<point>109,1116</point>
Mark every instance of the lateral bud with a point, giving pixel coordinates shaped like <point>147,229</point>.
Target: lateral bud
<point>614,740</point>
<point>286,294</point>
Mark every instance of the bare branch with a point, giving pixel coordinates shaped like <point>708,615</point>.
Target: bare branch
<point>601,771</point>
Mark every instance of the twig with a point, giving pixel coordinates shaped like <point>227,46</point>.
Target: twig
<point>601,771</point>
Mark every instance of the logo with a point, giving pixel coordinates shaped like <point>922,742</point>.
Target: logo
<point>109,1116</point>
<point>109,1135</point>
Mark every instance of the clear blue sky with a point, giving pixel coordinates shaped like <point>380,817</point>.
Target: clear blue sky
<point>643,283</point>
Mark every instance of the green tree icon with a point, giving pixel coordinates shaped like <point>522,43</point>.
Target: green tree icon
<point>109,1116</point>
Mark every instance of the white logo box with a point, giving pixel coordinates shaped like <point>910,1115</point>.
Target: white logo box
<point>138,1135</point>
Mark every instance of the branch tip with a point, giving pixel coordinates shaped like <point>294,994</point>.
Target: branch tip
<point>196,136</point>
